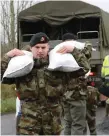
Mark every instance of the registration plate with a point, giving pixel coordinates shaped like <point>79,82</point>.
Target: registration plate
<point>93,79</point>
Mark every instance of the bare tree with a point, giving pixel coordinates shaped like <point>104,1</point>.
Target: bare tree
<point>5,24</point>
<point>9,12</point>
<point>22,5</point>
<point>12,24</point>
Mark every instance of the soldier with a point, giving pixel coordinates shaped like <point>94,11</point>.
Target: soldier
<point>41,90</point>
<point>75,97</point>
<point>92,99</point>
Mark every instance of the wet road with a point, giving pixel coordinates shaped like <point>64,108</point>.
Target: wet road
<point>8,122</point>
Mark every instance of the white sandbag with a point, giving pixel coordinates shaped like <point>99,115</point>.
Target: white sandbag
<point>19,65</point>
<point>64,62</point>
<point>78,45</point>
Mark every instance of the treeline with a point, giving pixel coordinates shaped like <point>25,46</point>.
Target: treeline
<point>9,13</point>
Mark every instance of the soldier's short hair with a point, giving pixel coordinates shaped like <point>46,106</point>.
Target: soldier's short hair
<point>69,36</point>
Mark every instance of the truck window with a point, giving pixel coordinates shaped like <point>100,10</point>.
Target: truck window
<point>27,37</point>
<point>87,35</point>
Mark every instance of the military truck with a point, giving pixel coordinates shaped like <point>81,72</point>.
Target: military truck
<point>55,18</point>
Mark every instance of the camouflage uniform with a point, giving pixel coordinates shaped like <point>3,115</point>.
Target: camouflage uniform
<point>87,50</point>
<point>107,107</point>
<point>41,92</point>
<point>92,97</point>
<point>75,98</point>
<point>91,105</point>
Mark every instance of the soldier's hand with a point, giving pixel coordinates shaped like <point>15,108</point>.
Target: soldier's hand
<point>66,49</point>
<point>15,52</point>
<point>87,74</point>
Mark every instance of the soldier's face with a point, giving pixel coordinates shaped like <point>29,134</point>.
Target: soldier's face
<point>40,50</point>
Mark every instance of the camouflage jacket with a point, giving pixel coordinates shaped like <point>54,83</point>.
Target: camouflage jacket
<point>77,86</point>
<point>43,85</point>
<point>87,50</point>
<point>92,95</point>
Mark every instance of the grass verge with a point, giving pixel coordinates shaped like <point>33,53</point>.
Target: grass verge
<point>8,105</point>
<point>8,98</point>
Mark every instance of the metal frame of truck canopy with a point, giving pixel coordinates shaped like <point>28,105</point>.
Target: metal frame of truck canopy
<point>58,13</point>
<point>59,17</point>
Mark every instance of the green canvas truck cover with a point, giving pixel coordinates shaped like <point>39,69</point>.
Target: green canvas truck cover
<point>57,13</point>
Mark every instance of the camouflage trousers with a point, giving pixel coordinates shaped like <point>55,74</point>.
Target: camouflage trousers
<point>39,120</point>
<point>107,109</point>
<point>75,117</point>
<point>17,122</point>
<point>91,119</point>
<point>91,106</point>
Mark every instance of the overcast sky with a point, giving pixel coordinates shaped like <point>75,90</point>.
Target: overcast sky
<point>104,4</point>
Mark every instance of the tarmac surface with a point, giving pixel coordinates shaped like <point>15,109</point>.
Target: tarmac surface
<point>8,123</point>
